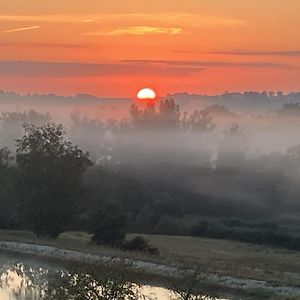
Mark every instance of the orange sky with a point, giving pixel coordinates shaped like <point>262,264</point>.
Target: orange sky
<point>112,48</point>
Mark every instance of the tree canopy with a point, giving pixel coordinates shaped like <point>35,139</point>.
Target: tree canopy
<point>50,182</point>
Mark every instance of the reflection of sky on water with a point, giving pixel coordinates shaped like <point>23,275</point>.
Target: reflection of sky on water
<point>159,293</point>
<point>15,287</point>
<point>22,278</point>
<point>28,280</point>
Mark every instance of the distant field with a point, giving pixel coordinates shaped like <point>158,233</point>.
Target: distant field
<point>231,258</point>
<point>218,256</point>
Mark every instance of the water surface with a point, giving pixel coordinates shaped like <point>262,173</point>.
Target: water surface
<point>27,278</point>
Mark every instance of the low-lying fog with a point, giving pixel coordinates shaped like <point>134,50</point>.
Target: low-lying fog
<point>240,152</point>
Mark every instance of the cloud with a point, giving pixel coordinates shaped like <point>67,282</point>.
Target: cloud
<point>21,29</point>
<point>170,18</point>
<point>119,68</point>
<point>205,64</point>
<point>46,45</point>
<point>139,30</point>
<point>258,53</point>
<point>186,52</point>
<point>51,69</point>
<point>46,18</point>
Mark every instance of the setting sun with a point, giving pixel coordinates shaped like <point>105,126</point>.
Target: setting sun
<point>146,93</point>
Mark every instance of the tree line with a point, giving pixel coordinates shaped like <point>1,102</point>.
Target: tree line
<point>157,174</point>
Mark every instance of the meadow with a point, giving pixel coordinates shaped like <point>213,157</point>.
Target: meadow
<point>222,257</point>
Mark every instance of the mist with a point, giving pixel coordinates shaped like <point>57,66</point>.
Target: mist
<point>220,156</point>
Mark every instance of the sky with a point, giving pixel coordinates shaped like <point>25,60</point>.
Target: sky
<point>114,48</point>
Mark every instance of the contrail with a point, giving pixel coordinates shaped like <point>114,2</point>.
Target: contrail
<point>21,29</point>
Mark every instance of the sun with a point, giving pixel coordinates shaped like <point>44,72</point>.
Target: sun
<point>146,94</point>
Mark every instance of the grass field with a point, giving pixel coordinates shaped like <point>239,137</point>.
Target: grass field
<point>231,258</point>
<point>224,257</point>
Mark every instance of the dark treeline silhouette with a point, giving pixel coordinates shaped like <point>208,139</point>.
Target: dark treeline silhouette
<point>249,101</point>
<point>160,170</point>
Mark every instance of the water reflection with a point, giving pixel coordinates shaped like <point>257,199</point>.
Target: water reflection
<point>16,283</point>
<point>32,280</point>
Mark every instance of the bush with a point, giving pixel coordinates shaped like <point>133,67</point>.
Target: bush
<point>139,244</point>
<point>108,226</point>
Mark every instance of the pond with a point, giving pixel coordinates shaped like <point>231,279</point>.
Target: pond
<point>28,278</point>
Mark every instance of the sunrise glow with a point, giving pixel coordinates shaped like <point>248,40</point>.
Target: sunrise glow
<point>112,50</point>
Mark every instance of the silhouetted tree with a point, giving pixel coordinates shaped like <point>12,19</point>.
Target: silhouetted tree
<point>8,203</point>
<point>169,114</point>
<point>188,285</point>
<point>12,123</point>
<point>166,116</point>
<point>219,110</point>
<point>198,121</point>
<point>50,183</point>
<point>108,225</point>
<point>112,282</point>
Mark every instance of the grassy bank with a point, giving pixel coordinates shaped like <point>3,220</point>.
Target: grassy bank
<point>240,260</point>
<point>231,258</point>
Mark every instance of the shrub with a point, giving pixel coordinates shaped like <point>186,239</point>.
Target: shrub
<point>108,226</point>
<point>139,244</point>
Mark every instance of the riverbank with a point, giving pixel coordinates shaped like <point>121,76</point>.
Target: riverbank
<point>66,249</point>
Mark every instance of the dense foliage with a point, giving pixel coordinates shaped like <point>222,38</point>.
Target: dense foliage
<point>108,225</point>
<point>139,244</point>
<point>50,178</point>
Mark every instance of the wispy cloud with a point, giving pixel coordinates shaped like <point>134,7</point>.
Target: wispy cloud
<point>171,18</point>
<point>120,68</point>
<point>205,64</point>
<point>47,45</point>
<point>51,69</point>
<point>258,53</point>
<point>67,18</point>
<point>139,30</point>
<point>21,29</point>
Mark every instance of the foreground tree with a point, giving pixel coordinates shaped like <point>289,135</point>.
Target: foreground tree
<point>188,285</point>
<point>50,184</point>
<point>8,218</point>
<point>114,281</point>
